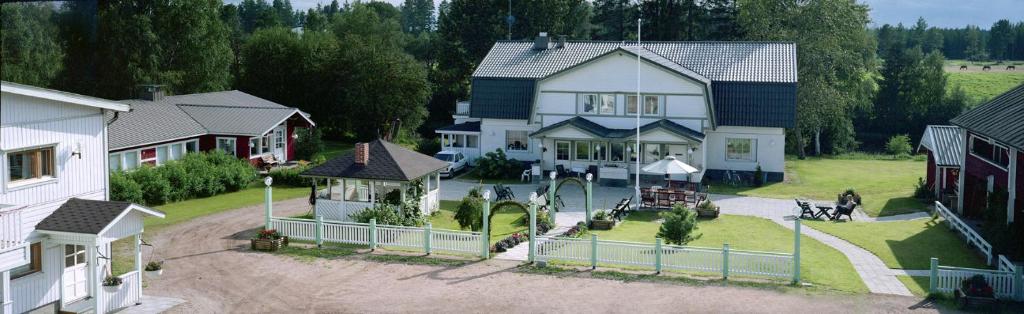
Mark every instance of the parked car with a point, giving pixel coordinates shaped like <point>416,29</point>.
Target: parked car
<point>456,162</point>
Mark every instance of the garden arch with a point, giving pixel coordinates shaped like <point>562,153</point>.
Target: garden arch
<point>577,181</point>
<point>499,205</point>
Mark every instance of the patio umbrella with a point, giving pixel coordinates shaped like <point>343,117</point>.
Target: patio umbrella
<point>670,165</point>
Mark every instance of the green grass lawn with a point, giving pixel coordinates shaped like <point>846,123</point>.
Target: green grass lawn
<point>505,222</point>
<point>820,264</point>
<point>886,186</point>
<point>917,285</point>
<point>982,86</point>
<point>905,244</point>
<point>335,148</point>
<point>472,176</point>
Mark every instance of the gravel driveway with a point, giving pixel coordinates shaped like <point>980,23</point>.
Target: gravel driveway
<point>208,264</point>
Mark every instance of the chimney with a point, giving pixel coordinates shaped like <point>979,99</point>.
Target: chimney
<point>362,156</point>
<point>151,92</point>
<point>561,42</point>
<point>541,42</point>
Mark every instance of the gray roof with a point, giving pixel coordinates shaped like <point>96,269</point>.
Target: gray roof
<point>471,126</point>
<point>1001,118</point>
<point>84,216</point>
<point>945,144</point>
<point>387,162</point>
<point>181,116</point>
<point>773,62</point>
<point>602,132</point>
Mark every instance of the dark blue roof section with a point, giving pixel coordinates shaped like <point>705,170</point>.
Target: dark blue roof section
<point>501,98</point>
<point>473,126</point>
<point>1001,118</point>
<point>755,104</point>
<point>600,131</point>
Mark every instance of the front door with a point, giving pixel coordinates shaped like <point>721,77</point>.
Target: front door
<point>563,153</point>
<point>279,142</point>
<point>75,278</point>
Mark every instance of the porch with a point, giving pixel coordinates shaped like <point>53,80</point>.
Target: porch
<point>13,249</point>
<point>80,232</point>
<point>463,138</point>
<point>344,196</point>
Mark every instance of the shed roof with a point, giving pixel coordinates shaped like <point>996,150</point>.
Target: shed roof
<point>1001,118</point>
<point>88,216</point>
<point>387,162</point>
<point>471,126</point>
<point>945,144</point>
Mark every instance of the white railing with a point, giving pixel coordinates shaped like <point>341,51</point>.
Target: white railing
<point>462,108</point>
<point>127,295</point>
<point>339,210</point>
<point>429,202</point>
<point>973,238</point>
<point>685,258</point>
<point>383,235</point>
<point>948,279</point>
<point>1005,264</point>
<point>10,229</point>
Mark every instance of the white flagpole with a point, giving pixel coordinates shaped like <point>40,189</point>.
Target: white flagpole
<point>638,109</point>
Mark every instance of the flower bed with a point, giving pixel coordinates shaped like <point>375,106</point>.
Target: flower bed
<point>268,240</point>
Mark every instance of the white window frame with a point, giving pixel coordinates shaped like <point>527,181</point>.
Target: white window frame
<point>752,146</point>
<point>525,142</point>
<point>118,156</point>
<point>658,103</point>
<point>255,146</point>
<point>568,154</point>
<point>476,142</point>
<point>576,153</point>
<point>234,144</point>
<point>185,144</point>
<point>583,103</point>
<point>25,183</point>
<point>995,149</point>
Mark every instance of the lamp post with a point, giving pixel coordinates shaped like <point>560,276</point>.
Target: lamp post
<point>533,226</point>
<point>551,197</point>
<point>485,233</point>
<point>268,199</point>
<point>590,198</point>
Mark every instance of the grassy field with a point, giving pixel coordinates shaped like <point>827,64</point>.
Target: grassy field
<point>982,86</point>
<point>471,176</point>
<point>905,244</point>
<point>505,222</point>
<point>821,265</point>
<point>917,285</point>
<point>886,186</point>
<point>334,148</point>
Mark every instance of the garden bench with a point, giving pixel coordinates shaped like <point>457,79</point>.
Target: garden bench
<point>806,212</point>
<point>503,193</point>
<point>269,161</point>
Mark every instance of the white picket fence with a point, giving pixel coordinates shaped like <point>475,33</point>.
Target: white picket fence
<point>126,295</point>
<point>973,238</point>
<point>381,236</point>
<point>685,258</point>
<point>1005,284</point>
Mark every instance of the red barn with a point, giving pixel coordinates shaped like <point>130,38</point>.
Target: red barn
<point>942,142</point>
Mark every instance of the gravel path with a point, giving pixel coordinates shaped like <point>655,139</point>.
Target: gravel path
<point>208,264</point>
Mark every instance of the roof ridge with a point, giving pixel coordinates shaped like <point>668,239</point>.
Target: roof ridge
<point>235,106</point>
<point>655,41</point>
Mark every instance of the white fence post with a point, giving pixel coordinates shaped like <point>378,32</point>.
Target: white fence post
<point>426,239</point>
<point>725,261</point>
<point>933,275</point>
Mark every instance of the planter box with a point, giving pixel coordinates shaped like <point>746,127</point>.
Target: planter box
<point>112,289</point>
<point>602,224</point>
<point>268,244</point>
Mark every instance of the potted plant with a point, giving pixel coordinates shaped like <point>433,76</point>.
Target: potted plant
<point>602,221</point>
<point>707,209</point>
<point>112,283</point>
<point>154,269</point>
<point>851,193</point>
<point>268,240</point>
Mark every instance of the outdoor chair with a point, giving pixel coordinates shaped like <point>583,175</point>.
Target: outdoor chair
<point>269,161</point>
<point>560,169</point>
<point>621,209</point>
<point>845,209</point>
<point>646,197</point>
<point>526,176</point>
<point>501,193</point>
<point>806,212</point>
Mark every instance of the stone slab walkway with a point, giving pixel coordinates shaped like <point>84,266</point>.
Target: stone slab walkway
<point>151,305</point>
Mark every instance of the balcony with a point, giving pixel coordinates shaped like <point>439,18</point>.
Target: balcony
<point>10,228</point>
<point>462,108</point>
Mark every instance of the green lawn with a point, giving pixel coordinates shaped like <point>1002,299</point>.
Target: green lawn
<point>982,86</point>
<point>886,186</point>
<point>505,222</point>
<point>472,176</point>
<point>917,285</point>
<point>905,244</point>
<point>334,148</point>
<point>820,264</point>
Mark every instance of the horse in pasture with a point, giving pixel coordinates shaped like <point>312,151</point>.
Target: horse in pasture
<point>1011,68</point>
<point>963,67</point>
<point>986,68</point>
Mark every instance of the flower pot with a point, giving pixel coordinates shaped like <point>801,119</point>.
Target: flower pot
<point>602,224</point>
<point>153,274</point>
<point>267,244</point>
<point>112,289</point>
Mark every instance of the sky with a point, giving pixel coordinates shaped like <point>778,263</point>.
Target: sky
<point>939,13</point>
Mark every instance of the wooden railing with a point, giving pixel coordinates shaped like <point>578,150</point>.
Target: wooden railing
<point>375,235</point>
<point>127,295</point>
<point>973,238</point>
<point>462,108</point>
<point>10,229</point>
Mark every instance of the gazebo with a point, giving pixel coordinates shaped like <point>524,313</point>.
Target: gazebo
<point>373,173</point>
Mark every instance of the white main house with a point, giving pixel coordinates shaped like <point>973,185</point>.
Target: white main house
<point>719,106</point>
<point>56,224</point>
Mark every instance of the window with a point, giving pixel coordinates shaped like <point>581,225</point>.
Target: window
<point>472,141</point>
<point>631,148</point>
<point>582,150</point>
<point>653,152</point>
<point>740,149</point>
<point>114,162</point>
<point>279,138</point>
<point>446,140</point>
<point>588,103</point>
<point>35,263</point>
<point>176,151</point>
<point>562,150</point>
<point>460,140</point>
<point>600,151</point>
<point>74,255</point>
<point>265,144</point>
<point>607,104</point>
<point>516,140</point>
<point>227,144</point>
<point>631,104</point>
<point>161,155</point>
<point>254,147</point>
<point>981,147</point>
<point>30,164</point>
<point>618,150</point>
<point>191,146</point>
<point>131,160</point>
<point>651,105</point>
<point>995,153</point>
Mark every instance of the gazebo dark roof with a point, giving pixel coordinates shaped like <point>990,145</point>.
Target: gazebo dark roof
<point>387,162</point>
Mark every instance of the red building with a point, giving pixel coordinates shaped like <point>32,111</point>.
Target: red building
<point>942,142</point>
<point>162,128</point>
<point>993,151</point>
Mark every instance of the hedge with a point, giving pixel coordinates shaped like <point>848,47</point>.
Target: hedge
<point>195,175</point>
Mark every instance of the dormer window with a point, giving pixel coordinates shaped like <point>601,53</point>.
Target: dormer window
<point>31,164</point>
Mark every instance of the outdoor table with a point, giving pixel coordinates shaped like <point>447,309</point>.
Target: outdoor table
<point>823,209</point>
<point>578,170</point>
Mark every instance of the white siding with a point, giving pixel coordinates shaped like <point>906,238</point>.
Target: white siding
<point>557,103</point>
<point>40,288</point>
<point>492,136</point>
<point>617,73</point>
<point>686,106</point>
<point>770,155</point>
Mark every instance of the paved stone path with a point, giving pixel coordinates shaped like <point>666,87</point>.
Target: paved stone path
<point>152,305</point>
<point>876,275</point>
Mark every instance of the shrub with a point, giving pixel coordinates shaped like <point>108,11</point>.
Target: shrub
<point>922,191</point>
<point>124,189</point>
<point>156,190</point>
<point>290,176</point>
<point>154,266</point>
<point>179,178</point>
<point>496,165</point>
<point>602,215</point>
<point>309,143</point>
<point>679,225</point>
<point>469,214</point>
<point>758,176</point>
<point>205,181</point>
<point>429,147</point>
<point>384,213</point>
<point>899,145</point>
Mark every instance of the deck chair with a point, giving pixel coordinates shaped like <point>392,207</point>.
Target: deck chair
<point>501,193</point>
<point>844,209</point>
<point>806,212</point>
